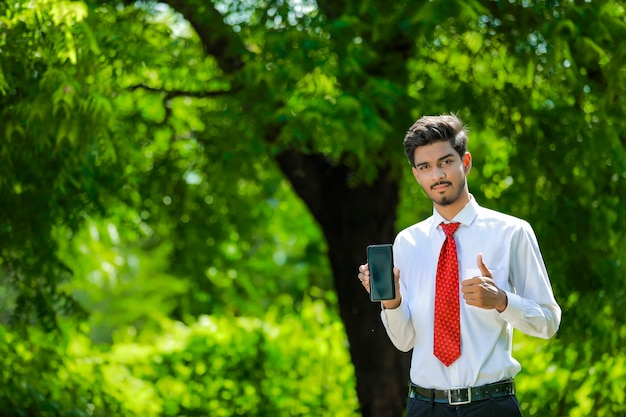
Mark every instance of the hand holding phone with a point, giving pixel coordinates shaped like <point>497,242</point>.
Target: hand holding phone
<point>380,262</point>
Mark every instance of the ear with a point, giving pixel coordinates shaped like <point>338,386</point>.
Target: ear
<point>467,162</point>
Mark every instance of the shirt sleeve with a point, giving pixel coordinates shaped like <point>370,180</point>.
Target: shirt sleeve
<point>399,326</point>
<point>532,308</point>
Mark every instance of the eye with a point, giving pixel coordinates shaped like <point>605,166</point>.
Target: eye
<point>446,162</point>
<point>423,167</point>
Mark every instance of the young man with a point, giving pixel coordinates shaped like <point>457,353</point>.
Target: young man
<point>465,277</point>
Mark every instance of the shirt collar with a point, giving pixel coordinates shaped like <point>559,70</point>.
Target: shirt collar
<point>466,216</point>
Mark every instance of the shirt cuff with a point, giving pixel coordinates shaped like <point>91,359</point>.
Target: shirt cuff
<point>514,309</point>
<point>393,312</point>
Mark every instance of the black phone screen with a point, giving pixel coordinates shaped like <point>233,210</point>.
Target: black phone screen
<point>380,261</point>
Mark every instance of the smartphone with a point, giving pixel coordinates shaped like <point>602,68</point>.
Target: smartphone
<point>380,261</point>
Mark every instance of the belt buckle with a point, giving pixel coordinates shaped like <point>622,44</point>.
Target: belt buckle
<point>459,398</point>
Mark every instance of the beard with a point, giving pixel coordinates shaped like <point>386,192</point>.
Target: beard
<point>448,200</point>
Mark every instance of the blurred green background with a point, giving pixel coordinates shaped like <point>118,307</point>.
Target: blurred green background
<point>187,188</point>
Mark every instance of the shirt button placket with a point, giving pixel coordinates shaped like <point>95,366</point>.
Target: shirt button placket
<point>455,379</point>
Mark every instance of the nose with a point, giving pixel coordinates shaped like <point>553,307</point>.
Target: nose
<point>438,174</point>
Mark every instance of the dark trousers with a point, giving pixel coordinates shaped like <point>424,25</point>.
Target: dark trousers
<point>494,407</point>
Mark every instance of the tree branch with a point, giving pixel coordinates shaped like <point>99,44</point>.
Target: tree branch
<point>170,94</point>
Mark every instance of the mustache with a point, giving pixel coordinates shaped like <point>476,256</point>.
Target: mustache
<point>440,183</point>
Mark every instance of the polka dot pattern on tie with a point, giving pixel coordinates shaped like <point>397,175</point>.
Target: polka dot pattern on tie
<point>447,340</point>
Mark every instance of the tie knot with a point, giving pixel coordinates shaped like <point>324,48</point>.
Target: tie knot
<point>450,228</point>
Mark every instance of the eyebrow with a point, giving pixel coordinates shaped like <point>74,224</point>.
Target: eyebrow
<point>438,160</point>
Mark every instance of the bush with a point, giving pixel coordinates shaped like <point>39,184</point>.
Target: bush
<point>44,375</point>
<point>558,379</point>
<point>288,365</point>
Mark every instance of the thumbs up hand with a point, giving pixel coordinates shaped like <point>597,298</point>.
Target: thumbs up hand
<point>482,291</point>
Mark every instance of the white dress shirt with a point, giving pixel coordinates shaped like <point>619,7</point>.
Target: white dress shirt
<point>510,251</point>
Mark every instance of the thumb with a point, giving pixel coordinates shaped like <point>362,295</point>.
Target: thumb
<point>483,269</point>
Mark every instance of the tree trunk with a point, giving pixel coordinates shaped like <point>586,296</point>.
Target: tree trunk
<point>351,218</point>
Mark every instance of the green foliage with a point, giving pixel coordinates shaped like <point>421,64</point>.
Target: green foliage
<point>51,375</point>
<point>49,173</point>
<point>294,362</point>
<point>113,275</point>
<point>575,381</point>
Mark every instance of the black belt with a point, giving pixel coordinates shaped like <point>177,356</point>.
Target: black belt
<point>459,396</point>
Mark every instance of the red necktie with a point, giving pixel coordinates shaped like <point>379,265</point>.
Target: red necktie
<point>447,346</point>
